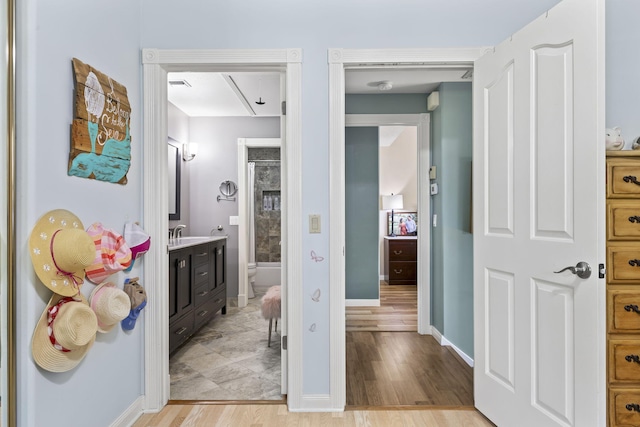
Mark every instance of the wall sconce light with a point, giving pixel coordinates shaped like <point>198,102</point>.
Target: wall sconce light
<point>189,151</point>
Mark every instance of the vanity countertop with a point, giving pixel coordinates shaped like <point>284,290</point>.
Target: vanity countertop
<point>183,242</point>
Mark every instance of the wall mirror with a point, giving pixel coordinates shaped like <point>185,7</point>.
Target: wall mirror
<point>174,179</point>
<point>228,188</point>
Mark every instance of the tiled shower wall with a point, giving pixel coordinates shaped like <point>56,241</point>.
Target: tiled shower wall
<point>267,175</point>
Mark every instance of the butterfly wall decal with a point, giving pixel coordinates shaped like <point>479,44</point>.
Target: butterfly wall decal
<point>316,258</point>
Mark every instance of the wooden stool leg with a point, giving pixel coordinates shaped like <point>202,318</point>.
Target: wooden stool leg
<point>269,345</point>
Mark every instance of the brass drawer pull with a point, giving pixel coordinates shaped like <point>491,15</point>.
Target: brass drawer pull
<point>635,219</point>
<point>632,179</point>
<point>632,307</point>
<point>181,331</point>
<point>634,262</point>
<point>397,252</point>
<point>633,407</point>
<point>204,313</point>
<point>395,270</point>
<point>632,358</point>
<point>203,293</point>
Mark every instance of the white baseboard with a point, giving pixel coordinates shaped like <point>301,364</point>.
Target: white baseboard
<point>362,303</point>
<point>384,277</point>
<point>316,403</point>
<point>443,341</point>
<point>131,414</point>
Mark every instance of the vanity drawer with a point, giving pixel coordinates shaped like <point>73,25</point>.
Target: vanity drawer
<point>624,407</point>
<point>180,331</point>
<point>623,263</point>
<point>623,220</point>
<point>202,294</point>
<point>624,361</point>
<point>200,255</point>
<point>201,275</point>
<point>219,299</point>
<point>623,178</point>
<point>624,311</point>
<point>205,312</point>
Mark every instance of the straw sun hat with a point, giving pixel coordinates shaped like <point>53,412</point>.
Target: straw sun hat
<point>60,251</point>
<point>111,304</point>
<point>64,334</point>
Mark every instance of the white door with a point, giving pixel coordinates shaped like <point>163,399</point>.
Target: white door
<point>539,203</point>
<point>284,219</point>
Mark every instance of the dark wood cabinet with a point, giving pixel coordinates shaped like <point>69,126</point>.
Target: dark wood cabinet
<point>197,289</point>
<point>401,266</point>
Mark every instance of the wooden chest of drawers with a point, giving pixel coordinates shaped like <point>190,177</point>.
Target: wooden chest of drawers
<point>401,266</point>
<point>623,288</point>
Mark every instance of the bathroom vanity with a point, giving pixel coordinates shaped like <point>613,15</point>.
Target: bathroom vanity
<point>197,287</point>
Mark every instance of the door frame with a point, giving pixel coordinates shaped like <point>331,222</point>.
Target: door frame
<point>156,64</point>
<point>339,60</point>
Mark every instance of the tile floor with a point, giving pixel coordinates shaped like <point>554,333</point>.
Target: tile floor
<point>228,359</point>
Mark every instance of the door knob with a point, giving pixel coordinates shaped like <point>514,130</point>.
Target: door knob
<point>582,270</point>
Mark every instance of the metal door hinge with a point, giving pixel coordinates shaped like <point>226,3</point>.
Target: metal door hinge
<point>284,342</point>
<point>602,271</point>
<point>284,108</point>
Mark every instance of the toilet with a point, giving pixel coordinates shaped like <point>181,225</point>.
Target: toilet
<point>252,278</point>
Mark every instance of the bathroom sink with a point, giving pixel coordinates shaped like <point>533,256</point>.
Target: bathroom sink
<point>183,242</point>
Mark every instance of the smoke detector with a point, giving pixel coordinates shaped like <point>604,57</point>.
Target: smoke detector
<point>385,85</point>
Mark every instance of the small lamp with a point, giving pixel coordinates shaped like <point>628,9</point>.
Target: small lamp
<point>394,201</point>
<point>189,151</point>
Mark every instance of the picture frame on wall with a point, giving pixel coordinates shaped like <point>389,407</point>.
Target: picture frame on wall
<point>404,224</point>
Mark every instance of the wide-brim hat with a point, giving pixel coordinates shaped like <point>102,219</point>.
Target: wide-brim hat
<point>111,253</point>
<point>138,241</point>
<point>111,304</point>
<point>64,334</point>
<point>60,251</point>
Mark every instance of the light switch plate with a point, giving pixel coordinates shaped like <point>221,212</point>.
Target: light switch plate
<point>233,220</point>
<point>432,172</point>
<point>314,224</point>
<point>434,188</point>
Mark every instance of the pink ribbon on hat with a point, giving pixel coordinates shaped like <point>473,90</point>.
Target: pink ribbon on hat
<point>52,313</point>
<point>77,280</point>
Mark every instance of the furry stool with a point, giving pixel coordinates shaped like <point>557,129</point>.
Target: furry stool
<point>271,307</point>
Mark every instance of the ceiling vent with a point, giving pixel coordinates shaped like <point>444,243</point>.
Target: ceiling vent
<point>179,83</point>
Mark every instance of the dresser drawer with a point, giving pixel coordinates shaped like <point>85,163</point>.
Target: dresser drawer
<point>624,361</point>
<point>623,220</point>
<point>623,178</point>
<point>623,312</point>
<point>402,250</point>
<point>623,263</point>
<point>402,270</point>
<point>624,407</point>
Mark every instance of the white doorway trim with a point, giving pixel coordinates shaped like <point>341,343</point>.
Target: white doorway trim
<point>339,59</point>
<point>423,124</point>
<point>156,64</point>
<point>243,201</point>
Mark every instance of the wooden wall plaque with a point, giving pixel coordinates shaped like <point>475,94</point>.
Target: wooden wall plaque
<point>100,133</point>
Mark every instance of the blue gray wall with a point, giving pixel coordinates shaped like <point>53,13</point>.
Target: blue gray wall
<point>452,242</point>
<point>362,212</point>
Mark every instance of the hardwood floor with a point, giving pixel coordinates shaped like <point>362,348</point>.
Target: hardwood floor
<point>400,368</point>
<point>279,416</point>
<point>398,311</point>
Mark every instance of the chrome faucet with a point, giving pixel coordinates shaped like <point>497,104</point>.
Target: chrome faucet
<point>177,231</point>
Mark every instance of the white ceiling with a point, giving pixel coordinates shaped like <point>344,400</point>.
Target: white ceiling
<point>236,94</point>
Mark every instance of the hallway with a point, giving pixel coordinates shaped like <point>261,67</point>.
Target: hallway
<point>390,364</point>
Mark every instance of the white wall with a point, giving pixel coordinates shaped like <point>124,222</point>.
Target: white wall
<point>109,36</point>
<point>217,161</point>
<point>104,35</point>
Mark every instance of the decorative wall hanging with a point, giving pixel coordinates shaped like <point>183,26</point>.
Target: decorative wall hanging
<point>100,134</point>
